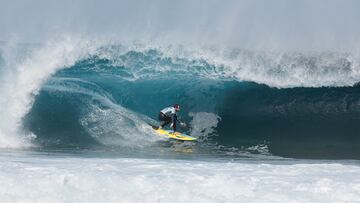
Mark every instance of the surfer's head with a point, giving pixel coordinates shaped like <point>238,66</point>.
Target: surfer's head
<point>177,107</point>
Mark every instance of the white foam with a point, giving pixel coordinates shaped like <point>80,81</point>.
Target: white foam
<point>109,123</point>
<point>281,69</point>
<point>118,126</point>
<point>203,124</point>
<point>273,68</point>
<point>22,77</point>
<point>69,179</point>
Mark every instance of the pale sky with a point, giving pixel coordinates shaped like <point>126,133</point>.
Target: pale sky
<point>271,24</point>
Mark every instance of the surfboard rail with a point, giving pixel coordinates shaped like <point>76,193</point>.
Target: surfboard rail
<point>174,135</point>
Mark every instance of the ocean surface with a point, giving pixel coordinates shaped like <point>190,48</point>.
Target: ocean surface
<point>272,126</point>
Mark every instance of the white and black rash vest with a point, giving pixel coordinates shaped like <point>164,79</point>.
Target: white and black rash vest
<point>169,111</point>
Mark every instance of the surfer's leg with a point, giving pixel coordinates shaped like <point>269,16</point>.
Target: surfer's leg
<point>174,127</point>
<point>173,120</point>
<point>165,120</point>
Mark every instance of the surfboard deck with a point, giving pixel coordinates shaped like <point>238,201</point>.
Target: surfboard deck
<point>176,135</point>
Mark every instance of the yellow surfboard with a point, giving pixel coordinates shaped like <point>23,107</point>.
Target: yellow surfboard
<point>176,135</point>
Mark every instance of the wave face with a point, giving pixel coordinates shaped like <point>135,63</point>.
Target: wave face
<point>284,104</point>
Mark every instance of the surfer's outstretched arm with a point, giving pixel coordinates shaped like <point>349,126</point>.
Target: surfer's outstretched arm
<point>182,123</point>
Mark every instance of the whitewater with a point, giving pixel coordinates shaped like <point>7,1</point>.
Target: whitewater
<point>56,178</point>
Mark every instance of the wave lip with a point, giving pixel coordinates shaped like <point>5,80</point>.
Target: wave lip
<point>23,75</point>
<point>275,69</point>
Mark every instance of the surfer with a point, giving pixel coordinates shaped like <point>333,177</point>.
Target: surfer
<point>168,115</point>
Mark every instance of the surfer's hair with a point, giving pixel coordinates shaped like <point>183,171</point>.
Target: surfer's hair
<point>176,106</point>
